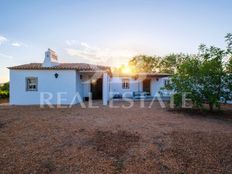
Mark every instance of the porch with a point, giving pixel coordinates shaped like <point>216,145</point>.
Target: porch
<point>145,86</point>
<point>94,85</point>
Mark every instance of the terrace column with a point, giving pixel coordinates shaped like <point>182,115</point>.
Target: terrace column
<point>105,88</point>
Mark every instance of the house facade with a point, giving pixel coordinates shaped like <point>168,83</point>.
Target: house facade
<point>71,83</point>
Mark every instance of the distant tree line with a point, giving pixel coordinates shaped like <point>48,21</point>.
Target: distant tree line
<point>167,64</point>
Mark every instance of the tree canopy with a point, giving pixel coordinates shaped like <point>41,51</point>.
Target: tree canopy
<point>166,64</point>
<point>143,63</point>
<point>206,76</point>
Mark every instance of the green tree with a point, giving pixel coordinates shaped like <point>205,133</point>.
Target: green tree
<point>169,63</point>
<point>143,63</point>
<point>228,78</point>
<point>5,87</point>
<point>229,52</point>
<point>229,66</point>
<point>204,76</point>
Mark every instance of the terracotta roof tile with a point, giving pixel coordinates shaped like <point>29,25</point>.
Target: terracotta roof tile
<point>62,66</point>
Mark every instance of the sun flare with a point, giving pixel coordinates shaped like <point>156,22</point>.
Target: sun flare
<point>127,70</point>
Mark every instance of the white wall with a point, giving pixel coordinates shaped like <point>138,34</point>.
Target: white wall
<point>79,88</point>
<point>156,85</point>
<point>136,85</point>
<point>66,82</point>
<point>85,85</point>
<point>105,89</point>
<point>116,86</point>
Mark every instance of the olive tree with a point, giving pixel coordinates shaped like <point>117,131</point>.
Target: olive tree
<point>206,76</point>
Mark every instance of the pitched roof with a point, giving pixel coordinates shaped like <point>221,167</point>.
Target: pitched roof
<point>152,74</point>
<point>62,66</point>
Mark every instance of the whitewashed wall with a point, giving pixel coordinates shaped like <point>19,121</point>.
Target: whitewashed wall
<point>116,86</point>
<point>85,85</point>
<point>66,82</point>
<point>79,88</point>
<point>105,89</point>
<point>156,84</point>
<point>136,85</point>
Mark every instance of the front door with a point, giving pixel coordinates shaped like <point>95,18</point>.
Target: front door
<point>147,86</point>
<point>96,89</point>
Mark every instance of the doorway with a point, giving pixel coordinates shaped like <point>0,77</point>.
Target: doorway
<point>147,86</point>
<point>96,89</point>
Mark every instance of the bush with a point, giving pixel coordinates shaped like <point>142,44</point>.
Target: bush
<point>4,94</point>
<point>177,100</point>
<point>4,91</point>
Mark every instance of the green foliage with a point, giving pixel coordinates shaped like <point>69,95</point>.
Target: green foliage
<point>229,65</point>
<point>177,100</point>
<point>205,76</point>
<point>167,64</point>
<point>229,43</point>
<point>143,63</point>
<point>4,94</point>
<point>5,87</point>
<point>4,90</point>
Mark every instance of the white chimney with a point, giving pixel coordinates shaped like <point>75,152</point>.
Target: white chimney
<point>51,58</point>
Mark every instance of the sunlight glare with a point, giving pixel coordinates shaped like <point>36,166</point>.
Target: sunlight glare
<point>127,70</point>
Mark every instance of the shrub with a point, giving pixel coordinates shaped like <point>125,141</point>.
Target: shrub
<point>4,94</point>
<point>4,91</point>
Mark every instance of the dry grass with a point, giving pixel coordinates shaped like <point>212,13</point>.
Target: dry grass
<point>104,140</point>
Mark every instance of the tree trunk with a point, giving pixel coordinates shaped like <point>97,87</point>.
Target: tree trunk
<point>210,106</point>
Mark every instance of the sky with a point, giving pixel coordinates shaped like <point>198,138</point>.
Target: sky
<point>107,32</point>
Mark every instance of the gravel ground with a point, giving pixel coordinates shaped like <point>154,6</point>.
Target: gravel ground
<point>113,140</point>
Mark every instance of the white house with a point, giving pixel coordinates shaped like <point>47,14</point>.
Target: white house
<point>71,83</point>
<point>147,85</point>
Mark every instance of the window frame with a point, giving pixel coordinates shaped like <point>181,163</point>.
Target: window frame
<point>167,82</point>
<point>125,83</point>
<point>27,84</point>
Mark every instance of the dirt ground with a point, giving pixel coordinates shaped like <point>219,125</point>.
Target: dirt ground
<point>113,140</point>
<point>4,101</point>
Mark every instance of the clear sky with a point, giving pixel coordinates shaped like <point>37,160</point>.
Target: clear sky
<point>107,31</point>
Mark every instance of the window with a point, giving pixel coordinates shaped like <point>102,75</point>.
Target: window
<point>31,84</point>
<point>125,84</point>
<point>166,82</point>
